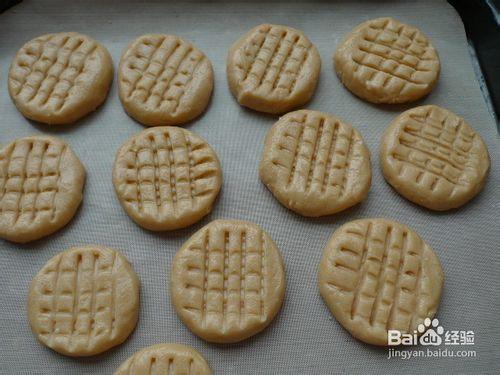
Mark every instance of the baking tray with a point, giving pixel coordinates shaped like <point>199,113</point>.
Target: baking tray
<point>482,25</point>
<point>304,338</point>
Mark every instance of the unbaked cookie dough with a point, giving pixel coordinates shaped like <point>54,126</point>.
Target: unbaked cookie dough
<point>166,178</point>
<point>84,301</point>
<point>378,275</point>
<point>386,61</point>
<point>315,164</point>
<point>434,158</point>
<point>60,78</point>
<point>164,80</point>
<point>228,281</point>
<point>41,187</point>
<point>169,359</point>
<point>273,69</point>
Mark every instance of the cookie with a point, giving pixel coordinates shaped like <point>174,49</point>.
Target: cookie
<point>84,301</point>
<point>273,69</point>
<point>228,281</point>
<point>41,187</point>
<point>315,164</point>
<point>60,78</point>
<point>166,178</point>
<point>170,359</point>
<point>378,275</point>
<point>386,61</point>
<point>434,158</point>
<point>164,80</point>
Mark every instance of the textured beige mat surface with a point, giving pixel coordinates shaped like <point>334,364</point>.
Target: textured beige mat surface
<point>304,339</point>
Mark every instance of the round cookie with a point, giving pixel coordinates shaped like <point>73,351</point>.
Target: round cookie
<point>273,69</point>
<point>434,158</point>
<point>170,359</point>
<point>315,164</point>
<point>166,178</point>
<point>41,187</point>
<point>228,281</point>
<point>60,78</point>
<point>377,275</point>
<point>386,61</point>
<point>84,301</point>
<point>164,80</point>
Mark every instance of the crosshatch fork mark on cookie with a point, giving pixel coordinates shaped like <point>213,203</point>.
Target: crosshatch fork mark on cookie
<point>273,59</point>
<point>436,144</point>
<point>322,150</point>
<point>164,68</point>
<point>29,181</point>
<point>395,52</point>
<point>52,66</point>
<point>168,168</point>
<point>234,272</point>
<point>229,265</point>
<point>78,304</point>
<point>387,262</point>
<point>167,359</point>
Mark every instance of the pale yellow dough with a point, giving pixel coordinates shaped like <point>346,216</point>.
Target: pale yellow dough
<point>41,187</point>
<point>315,164</point>
<point>164,80</point>
<point>378,275</point>
<point>273,69</point>
<point>59,78</point>
<point>434,158</point>
<point>386,61</point>
<point>166,178</point>
<point>228,281</point>
<point>84,301</point>
<point>169,359</point>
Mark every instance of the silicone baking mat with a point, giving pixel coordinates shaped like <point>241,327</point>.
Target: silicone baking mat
<point>304,338</point>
